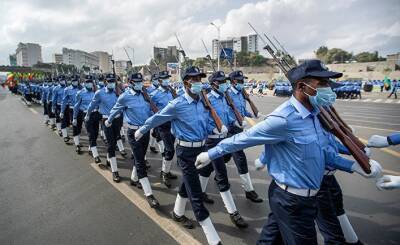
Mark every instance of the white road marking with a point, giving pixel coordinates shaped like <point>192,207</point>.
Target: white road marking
<point>33,111</point>
<point>384,123</point>
<point>366,100</point>
<point>377,100</point>
<point>170,227</point>
<point>388,101</point>
<point>381,129</point>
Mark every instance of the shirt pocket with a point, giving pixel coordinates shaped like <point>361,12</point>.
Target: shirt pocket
<point>308,145</point>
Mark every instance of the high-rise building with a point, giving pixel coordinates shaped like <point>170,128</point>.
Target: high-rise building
<point>58,58</point>
<point>28,54</point>
<point>104,61</point>
<point>252,45</point>
<point>121,66</point>
<point>13,60</point>
<point>169,54</point>
<point>79,58</point>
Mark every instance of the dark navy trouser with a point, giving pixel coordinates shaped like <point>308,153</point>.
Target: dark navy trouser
<point>221,175</point>
<point>112,133</point>
<point>45,110</point>
<point>66,120</point>
<point>190,187</point>
<point>327,220</point>
<point>139,149</point>
<point>92,127</point>
<point>79,121</point>
<point>239,157</point>
<point>51,114</point>
<point>291,220</point>
<point>164,131</point>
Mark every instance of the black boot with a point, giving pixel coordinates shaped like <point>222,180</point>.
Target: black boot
<point>116,177</point>
<point>207,199</point>
<point>78,149</point>
<point>237,220</point>
<point>153,149</point>
<point>171,175</point>
<point>152,201</point>
<point>97,160</point>
<point>123,153</point>
<point>66,139</point>
<point>183,220</point>
<point>165,179</point>
<point>136,184</point>
<point>253,196</point>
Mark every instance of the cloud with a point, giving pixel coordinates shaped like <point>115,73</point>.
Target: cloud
<point>301,25</point>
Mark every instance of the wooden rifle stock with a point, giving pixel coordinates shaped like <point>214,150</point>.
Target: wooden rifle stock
<point>147,98</point>
<point>355,151</point>
<point>238,116</point>
<point>345,129</point>
<point>252,105</point>
<point>172,90</point>
<point>213,113</point>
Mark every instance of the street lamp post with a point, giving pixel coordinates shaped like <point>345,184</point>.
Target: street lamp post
<point>219,37</point>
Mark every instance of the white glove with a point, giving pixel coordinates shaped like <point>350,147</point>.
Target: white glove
<point>61,115</point>
<point>259,165</point>
<point>376,169</point>
<point>388,182</point>
<point>244,124</point>
<point>378,141</point>
<point>224,130</point>
<point>367,151</point>
<point>202,160</point>
<point>86,118</point>
<point>74,122</point>
<point>107,123</point>
<point>138,134</point>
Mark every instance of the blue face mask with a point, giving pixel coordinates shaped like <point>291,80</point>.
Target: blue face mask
<point>228,84</point>
<point>101,84</point>
<point>138,86</point>
<point>323,97</point>
<point>196,87</point>
<point>165,82</point>
<point>111,85</point>
<point>89,86</point>
<point>62,83</point>
<point>222,87</point>
<point>239,86</point>
<point>75,83</point>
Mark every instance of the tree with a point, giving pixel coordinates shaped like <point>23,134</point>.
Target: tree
<point>321,53</point>
<point>337,55</point>
<point>368,57</point>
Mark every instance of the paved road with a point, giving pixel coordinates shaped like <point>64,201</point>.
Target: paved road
<point>50,195</point>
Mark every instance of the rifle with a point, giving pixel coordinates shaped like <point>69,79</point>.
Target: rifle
<point>328,117</point>
<point>148,100</point>
<point>244,93</point>
<point>228,98</point>
<point>203,95</point>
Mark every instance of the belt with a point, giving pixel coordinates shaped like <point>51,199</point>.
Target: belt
<point>133,127</point>
<point>329,172</point>
<point>191,144</point>
<point>216,136</point>
<point>298,191</point>
<point>106,117</point>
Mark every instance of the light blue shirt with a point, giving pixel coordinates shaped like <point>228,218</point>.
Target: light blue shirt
<point>239,102</point>
<point>161,97</point>
<point>104,100</point>
<point>135,108</point>
<point>58,92</point>
<point>294,145</point>
<point>189,119</point>
<point>44,92</point>
<point>83,99</point>
<point>69,97</point>
<point>218,102</point>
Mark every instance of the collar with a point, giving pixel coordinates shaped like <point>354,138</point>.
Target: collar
<point>215,94</point>
<point>109,90</point>
<point>161,89</point>
<point>304,112</point>
<point>133,92</point>
<point>188,98</point>
<point>234,89</point>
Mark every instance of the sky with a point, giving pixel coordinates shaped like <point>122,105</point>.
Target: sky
<point>110,25</point>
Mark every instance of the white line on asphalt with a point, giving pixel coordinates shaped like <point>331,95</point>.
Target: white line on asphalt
<point>376,101</point>
<point>366,100</point>
<point>170,227</point>
<point>388,101</point>
<point>380,117</point>
<point>382,129</point>
<point>360,113</point>
<point>375,122</point>
<point>398,102</point>
<point>33,111</point>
